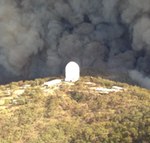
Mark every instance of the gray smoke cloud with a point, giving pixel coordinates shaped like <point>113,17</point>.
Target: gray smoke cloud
<point>140,78</point>
<point>38,37</point>
<point>19,37</point>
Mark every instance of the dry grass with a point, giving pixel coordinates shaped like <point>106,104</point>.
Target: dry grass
<point>74,113</point>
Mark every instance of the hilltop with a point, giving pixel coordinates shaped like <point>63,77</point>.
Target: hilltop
<point>91,110</point>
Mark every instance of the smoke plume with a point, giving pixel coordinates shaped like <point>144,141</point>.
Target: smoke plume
<point>39,37</point>
<point>140,78</point>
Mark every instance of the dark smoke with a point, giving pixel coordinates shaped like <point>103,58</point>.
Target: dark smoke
<point>38,37</point>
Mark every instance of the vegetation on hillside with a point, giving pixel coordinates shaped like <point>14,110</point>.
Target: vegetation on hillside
<point>73,112</point>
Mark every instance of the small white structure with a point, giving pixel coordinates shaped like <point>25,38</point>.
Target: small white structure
<point>72,72</point>
<point>52,82</point>
<point>108,90</point>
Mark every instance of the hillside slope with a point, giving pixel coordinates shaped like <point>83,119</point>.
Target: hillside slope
<point>92,110</point>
